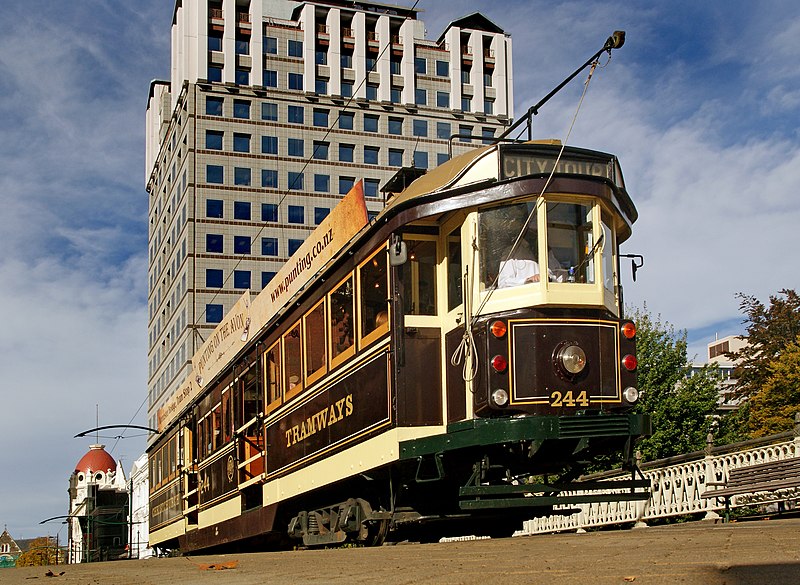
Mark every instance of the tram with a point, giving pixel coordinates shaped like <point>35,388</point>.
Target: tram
<point>453,365</point>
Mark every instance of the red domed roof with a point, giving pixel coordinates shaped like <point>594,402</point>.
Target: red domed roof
<point>97,459</point>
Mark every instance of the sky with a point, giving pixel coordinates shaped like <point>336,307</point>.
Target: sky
<point>701,106</point>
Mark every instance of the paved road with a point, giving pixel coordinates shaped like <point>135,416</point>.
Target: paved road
<point>763,552</point>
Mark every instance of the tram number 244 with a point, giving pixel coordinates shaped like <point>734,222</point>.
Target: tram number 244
<point>568,398</point>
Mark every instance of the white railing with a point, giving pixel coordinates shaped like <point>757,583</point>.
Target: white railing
<point>676,490</point>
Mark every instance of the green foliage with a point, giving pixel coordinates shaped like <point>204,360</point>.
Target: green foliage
<point>681,403</point>
<point>768,373</point>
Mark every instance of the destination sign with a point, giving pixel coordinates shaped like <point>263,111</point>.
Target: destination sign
<point>514,164</point>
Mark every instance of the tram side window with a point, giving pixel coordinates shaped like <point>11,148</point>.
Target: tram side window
<point>216,427</point>
<point>419,278</point>
<point>454,282</point>
<point>272,376</point>
<point>227,414</point>
<point>607,254</point>
<point>316,358</point>
<point>374,295</point>
<point>570,238</point>
<point>251,404</point>
<point>293,355</point>
<point>342,324</point>
<point>502,263</point>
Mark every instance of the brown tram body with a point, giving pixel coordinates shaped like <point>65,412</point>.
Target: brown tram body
<point>324,429</point>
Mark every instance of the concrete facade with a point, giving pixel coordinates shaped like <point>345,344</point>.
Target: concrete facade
<point>273,110</point>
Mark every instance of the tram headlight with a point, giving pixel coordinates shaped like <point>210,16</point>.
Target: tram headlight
<point>572,358</point>
<point>630,394</point>
<point>500,397</point>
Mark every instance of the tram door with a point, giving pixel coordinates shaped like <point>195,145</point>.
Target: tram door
<point>455,277</point>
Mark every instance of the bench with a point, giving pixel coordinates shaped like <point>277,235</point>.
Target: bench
<point>764,477</point>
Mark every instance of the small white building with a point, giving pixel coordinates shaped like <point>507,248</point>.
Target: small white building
<point>140,510</point>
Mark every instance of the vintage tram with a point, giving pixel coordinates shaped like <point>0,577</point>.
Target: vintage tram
<point>451,366</point>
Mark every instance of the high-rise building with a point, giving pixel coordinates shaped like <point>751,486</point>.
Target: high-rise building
<point>274,109</point>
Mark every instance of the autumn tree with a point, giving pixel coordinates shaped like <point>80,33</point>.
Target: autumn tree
<point>42,551</point>
<point>681,401</point>
<point>768,366</point>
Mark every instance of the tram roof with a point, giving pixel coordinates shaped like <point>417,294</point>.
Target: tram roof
<point>485,165</point>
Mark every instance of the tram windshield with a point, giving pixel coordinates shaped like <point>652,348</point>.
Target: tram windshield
<point>509,240</point>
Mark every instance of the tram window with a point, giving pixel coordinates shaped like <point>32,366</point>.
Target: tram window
<point>293,355</point>
<point>502,263</point>
<point>454,282</point>
<point>607,254</point>
<point>250,393</point>
<point>419,278</point>
<point>227,415</point>
<point>342,324</point>
<point>570,237</point>
<point>374,295</point>
<point>216,426</point>
<point>316,358</point>
<point>272,376</point>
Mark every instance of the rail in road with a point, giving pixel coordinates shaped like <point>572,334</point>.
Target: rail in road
<point>701,553</point>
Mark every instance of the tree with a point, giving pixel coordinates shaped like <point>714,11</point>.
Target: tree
<point>769,331</point>
<point>767,372</point>
<point>681,402</point>
<point>42,551</point>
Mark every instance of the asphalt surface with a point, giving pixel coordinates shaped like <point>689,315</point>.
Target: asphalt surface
<point>758,552</point>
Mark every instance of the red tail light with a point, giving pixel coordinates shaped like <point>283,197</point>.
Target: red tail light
<point>629,362</point>
<point>499,363</point>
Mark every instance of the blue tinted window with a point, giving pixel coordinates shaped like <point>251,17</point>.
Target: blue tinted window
<point>321,57</point>
<point>295,114</point>
<point>214,174</point>
<point>371,155</point>
<point>294,245</point>
<point>395,95</point>
<point>370,123</point>
<point>488,135</point>
<point>320,213</point>
<point>442,68</point>
<point>296,81</point>
<point>270,45</point>
<point>466,104</point>
<point>214,140</point>
<point>372,92</point>
<point>395,125</point>
<point>215,42</point>
<point>242,46</point>
<point>269,212</point>
<point>465,133</point>
<point>347,60</point>
<point>241,142</point>
<point>371,187</point>
<point>214,278</point>
<point>295,48</point>
<point>266,277</point>
<point>241,176</point>
<point>488,107</point>
<point>213,208</point>
<point>320,150</point>
<point>345,184</point>
<point>213,313</point>
<point>346,120</point>
<point>269,246</point>
<point>269,178</point>
<point>420,97</point>
<point>214,243</point>
<point>346,152</point>
<point>322,183</point>
<point>295,181</point>
<point>420,66</point>
<point>241,109</point>
<point>370,63</point>
<point>394,67</point>
<point>420,128</point>
<point>420,159</point>
<point>214,106</point>
<point>242,77</point>
<point>321,118</point>
<point>214,73</point>
<point>347,89</point>
<point>321,86</point>
<point>296,214</point>
<point>270,78</point>
<point>241,210</point>
<point>443,130</point>
<point>442,99</point>
<point>269,111</point>
<point>395,157</point>
<point>241,244</point>
<point>441,158</point>
<point>296,147</point>
<point>241,279</point>
<point>269,144</point>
